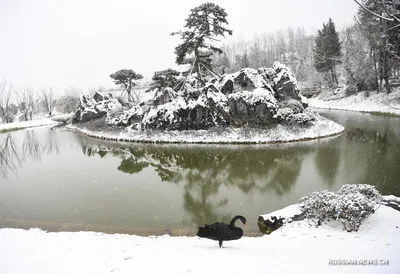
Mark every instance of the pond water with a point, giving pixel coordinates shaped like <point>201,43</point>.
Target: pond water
<point>61,180</point>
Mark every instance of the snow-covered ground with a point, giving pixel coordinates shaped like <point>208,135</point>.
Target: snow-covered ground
<point>54,120</point>
<point>322,128</point>
<point>295,248</point>
<point>26,124</point>
<point>381,102</point>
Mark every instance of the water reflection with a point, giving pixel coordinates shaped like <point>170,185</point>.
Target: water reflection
<point>370,150</point>
<point>327,161</point>
<point>255,170</point>
<point>386,139</point>
<point>14,153</point>
<point>9,156</point>
<point>203,172</point>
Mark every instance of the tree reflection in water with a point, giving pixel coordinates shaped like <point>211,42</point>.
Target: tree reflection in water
<point>203,170</point>
<point>13,152</point>
<point>382,159</point>
<point>327,162</point>
<point>9,156</point>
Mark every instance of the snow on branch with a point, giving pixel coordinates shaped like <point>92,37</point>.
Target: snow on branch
<point>392,17</point>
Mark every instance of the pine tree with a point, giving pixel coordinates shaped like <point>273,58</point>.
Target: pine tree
<point>255,56</point>
<point>165,78</point>
<point>126,78</point>
<point>327,52</point>
<point>204,24</point>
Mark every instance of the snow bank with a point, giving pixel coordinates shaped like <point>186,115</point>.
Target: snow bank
<point>285,213</point>
<point>321,128</point>
<point>295,248</point>
<point>27,124</point>
<point>391,198</point>
<point>381,102</point>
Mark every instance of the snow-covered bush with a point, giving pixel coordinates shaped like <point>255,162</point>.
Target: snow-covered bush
<point>350,90</point>
<point>318,206</point>
<point>367,190</point>
<point>350,205</point>
<point>287,115</point>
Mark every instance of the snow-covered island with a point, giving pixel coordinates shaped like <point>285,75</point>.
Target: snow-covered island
<point>250,106</point>
<point>295,247</point>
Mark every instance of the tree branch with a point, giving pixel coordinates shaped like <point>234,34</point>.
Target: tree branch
<point>373,13</point>
<point>389,13</point>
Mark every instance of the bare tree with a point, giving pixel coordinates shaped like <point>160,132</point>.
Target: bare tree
<point>6,91</point>
<point>26,99</point>
<point>69,101</point>
<point>48,100</point>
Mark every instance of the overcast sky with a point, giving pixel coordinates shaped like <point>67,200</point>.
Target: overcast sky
<point>81,42</point>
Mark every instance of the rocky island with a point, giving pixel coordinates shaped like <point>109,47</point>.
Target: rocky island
<point>250,106</point>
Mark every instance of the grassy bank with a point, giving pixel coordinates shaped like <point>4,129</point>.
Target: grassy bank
<point>379,113</point>
<point>5,130</point>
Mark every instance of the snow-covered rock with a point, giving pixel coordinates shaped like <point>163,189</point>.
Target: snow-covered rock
<point>284,82</point>
<point>122,117</point>
<point>95,107</point>
<point>250,97</point>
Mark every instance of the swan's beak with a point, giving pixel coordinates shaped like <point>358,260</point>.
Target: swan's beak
<point>244,224</point>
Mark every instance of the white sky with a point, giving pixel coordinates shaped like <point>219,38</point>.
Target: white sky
<point>81,42</point>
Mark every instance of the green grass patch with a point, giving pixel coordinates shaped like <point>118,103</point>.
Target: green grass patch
<point>378,113</point>
<point>10,129</point>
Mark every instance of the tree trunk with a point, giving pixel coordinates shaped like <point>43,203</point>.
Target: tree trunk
<point>332,79</point>
<point>202,82</point>
<point>387,84</point>
<point>334,73</point>
<point>129,89</point>
<point>376,72</point>
<point>380,74</point>
<point>387,74</point>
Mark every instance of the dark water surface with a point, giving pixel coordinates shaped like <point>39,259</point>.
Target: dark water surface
<point>62,180</point>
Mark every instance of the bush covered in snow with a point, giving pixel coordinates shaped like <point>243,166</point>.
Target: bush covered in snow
<point>350,90</point>
<point>350,205</point>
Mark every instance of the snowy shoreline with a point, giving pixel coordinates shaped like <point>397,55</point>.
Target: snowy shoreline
<point>375,103</point>
<point>29,124</point>
<point>322,128</point>
<point>297,246</point>
<point>50,121</point>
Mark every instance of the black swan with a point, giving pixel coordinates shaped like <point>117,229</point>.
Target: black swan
<point>222,232</point>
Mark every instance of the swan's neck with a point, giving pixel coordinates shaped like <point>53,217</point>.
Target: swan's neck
<point>233,221</point>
